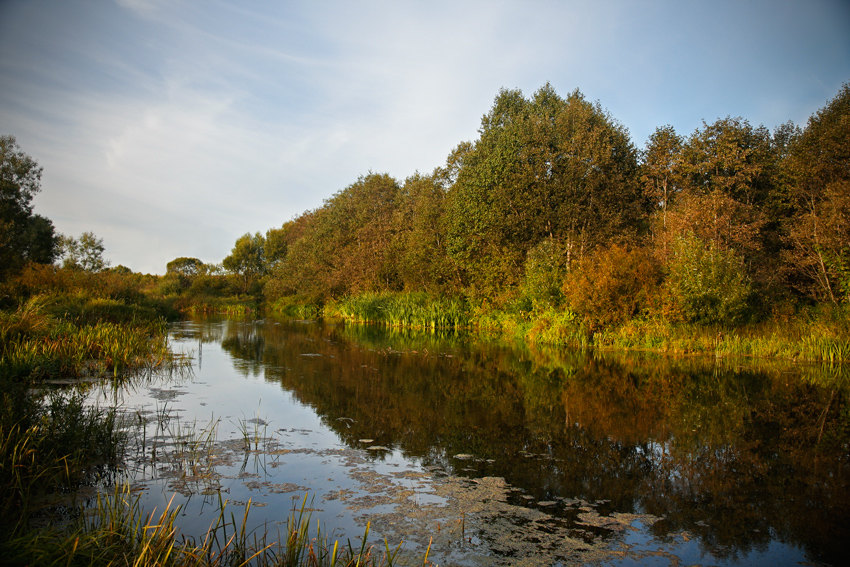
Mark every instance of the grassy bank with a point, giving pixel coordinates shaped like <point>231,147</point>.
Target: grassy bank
<point>819,334</point>
<point>69,328</point>
<point>416,310</point>
<point>195,305</point>
<point>50,441</point>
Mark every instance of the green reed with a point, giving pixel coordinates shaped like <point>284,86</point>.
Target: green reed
<point>414,310</point>
<point>49,440</point>
<point>57,443</point>
<point>117,531</point>
<point>216,305</point>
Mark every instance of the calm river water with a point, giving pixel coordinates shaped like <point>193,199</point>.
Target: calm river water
<point>503,454</point>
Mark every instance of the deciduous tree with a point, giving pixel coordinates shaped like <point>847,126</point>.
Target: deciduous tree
<point>85,253</point>
<point>185,266</point>
<point>729,192</point>
<point>548,167</point>
<point>423,262</point>
<point>247,259</point>
<point>819,230</point>
<point>660,174</point>
<point>24,236</point>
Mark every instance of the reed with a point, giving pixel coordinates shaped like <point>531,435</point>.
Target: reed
<point>413,310</point>
<point>822,335</point>
<point>253,432</point>
<point>815,341</point>
<point>297,307</point>
<point>216,305</point>
<point>61,442</point>
<point>116,531</point>
<point>49,440</point>
<point>68,349</point>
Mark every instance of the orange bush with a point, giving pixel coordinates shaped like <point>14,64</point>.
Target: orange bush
<point>614,285</point>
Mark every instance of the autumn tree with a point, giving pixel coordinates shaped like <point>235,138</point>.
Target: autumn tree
<point>362,216</point>
<point>347,245</point>
<point>660,174</point>
<point>819,230</point>
<point>729,196</point>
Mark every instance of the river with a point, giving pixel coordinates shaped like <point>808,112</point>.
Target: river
<point>496,453</point>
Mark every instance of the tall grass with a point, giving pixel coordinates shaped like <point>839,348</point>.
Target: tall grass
<point>415,310</point>
<point>32,337</point>
<point>217,305</point>
<point>816,338</point>
<point>57,445</point>
<point>49,440</point>
<point>116,531</point>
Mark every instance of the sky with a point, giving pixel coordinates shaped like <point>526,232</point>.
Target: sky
<point>171,128</point>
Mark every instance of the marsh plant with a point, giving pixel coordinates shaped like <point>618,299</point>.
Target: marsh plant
<point>117,531</point>
<point>416,310</point>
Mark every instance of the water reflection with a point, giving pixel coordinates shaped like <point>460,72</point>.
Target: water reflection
<point>738,454</point>
<point>742,460</point>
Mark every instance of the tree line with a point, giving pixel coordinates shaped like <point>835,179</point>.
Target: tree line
<point>554,205</point>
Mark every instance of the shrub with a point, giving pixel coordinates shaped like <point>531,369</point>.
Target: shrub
<point>708,284</point>
<point>544,273</point>
<point>614,285</point>
<point>207,285</point>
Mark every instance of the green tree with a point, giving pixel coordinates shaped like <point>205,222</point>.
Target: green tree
<point>185,266</point>
<point>24,236</point>
<point>297,270</point>
<point>347,245</point>
<point>85,253</point>
<point>660,172</point>
<point>247,259</point>
<point>708,283</point>
<point>277,243</point>
<point>544,275</point>
<point>548,167</point>
<point>423,261</point>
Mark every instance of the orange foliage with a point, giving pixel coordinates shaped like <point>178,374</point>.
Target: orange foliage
<point>614,285</point>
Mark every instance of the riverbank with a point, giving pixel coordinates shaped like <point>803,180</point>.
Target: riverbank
<point>816,334</point>
<point>61,459</point>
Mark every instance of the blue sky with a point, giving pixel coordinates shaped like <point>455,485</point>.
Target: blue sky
<point>171,128</point>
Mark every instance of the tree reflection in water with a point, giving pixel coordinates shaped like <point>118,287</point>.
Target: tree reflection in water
<point>736,452</point>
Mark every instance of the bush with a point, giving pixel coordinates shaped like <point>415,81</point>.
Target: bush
<point>172,284</point>
<point>211,286</point>
<point>545,268</point>
<point>708,284</point>
<point>614,285</point>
